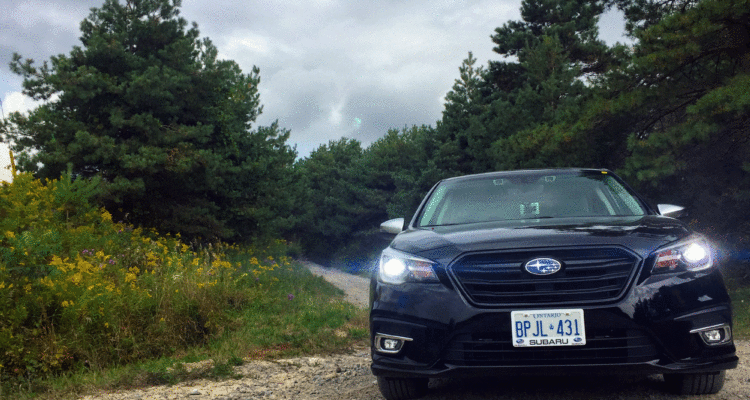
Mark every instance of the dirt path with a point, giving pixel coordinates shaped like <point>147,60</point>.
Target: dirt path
<point>348,377</point>
<point>356,287</point>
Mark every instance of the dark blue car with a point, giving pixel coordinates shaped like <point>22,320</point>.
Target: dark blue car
<point>547,271</point>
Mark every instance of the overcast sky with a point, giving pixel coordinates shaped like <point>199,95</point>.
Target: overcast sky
<point>329,68</point>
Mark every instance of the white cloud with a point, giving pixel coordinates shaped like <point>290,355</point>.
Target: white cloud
<point>29,14</point>
<point>336,116</point>
<point>18,102</point>
<point>5,173</point>
<point>324,63</point>
<point>612,27</point>
<point>244,44</point>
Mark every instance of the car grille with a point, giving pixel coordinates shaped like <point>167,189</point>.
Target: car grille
<point>588,275</point>
<point>604,346</point>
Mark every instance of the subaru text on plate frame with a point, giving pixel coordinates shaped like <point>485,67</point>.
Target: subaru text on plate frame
<point>546,272</point>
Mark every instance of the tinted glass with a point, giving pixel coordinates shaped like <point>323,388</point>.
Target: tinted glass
<point>528,196</point>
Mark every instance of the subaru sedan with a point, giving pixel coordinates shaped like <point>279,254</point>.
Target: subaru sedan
<point>538,272</point>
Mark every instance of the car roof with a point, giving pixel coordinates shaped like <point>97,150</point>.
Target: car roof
<point>500,174</point>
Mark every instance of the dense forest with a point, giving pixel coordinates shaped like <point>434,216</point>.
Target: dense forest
<point>669,112</point>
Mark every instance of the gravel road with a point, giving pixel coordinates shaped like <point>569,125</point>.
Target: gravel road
<point>348,377</point>
<point>357,288</point>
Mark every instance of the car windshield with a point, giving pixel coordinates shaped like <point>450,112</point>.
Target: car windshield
<point>525,196</point>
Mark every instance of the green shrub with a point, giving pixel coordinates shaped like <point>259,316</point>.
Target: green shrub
<point>79,290</point>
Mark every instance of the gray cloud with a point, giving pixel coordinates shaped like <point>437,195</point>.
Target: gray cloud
<point>329,68</point>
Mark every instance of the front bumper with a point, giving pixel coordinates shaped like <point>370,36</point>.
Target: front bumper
<point>648,331</point>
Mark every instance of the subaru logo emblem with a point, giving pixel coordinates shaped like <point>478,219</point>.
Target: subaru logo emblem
<point>542,266</point>
<point>578,340</point>
<point>519,341</point>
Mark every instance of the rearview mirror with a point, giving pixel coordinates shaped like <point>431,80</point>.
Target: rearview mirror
<point>393,226</point>
<point>670,210</point>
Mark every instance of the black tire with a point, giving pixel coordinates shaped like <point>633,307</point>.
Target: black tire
<point>690,384</point>
<point>402,388</point>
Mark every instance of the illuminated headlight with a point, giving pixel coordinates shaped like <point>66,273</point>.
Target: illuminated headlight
<point>398,267</point>
<point>691,254</point>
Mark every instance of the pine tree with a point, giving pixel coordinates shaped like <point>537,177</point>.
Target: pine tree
<point>335,198</point>
<point>549,57</point>
<point>686,92</point>
<point>147,105</point>
<point>464,102</point>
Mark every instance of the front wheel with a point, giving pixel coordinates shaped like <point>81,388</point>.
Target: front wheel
<point>402,388</point>
<point>690,384</point>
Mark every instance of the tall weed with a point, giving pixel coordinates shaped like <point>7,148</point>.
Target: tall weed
<point>78,290</point>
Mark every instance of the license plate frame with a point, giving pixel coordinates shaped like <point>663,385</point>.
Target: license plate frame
<point>548,328</point>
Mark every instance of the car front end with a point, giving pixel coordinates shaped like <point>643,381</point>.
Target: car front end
<point>579,292</point>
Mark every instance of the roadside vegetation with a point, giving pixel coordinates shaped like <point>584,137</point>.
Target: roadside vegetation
<point>738,284</point>
<point>741,304</point>
<point>89,302</point>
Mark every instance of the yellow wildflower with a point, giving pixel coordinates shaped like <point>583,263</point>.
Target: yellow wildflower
<point>76,278</point>
<point>106,216</point>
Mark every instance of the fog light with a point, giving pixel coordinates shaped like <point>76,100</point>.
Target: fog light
<point>390,344</point>
<point>713,335</point>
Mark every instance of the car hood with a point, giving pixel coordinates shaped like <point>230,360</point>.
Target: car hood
<point>642,235</point>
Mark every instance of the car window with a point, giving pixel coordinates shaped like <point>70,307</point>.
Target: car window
<point>523,197</point>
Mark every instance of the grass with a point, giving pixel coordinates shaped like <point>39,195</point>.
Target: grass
<point>737,277</point>
<point>298,314</point>
<point>741,309</point>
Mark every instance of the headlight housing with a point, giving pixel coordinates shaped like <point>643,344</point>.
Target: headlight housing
<point>397,267</point>
<point>693,253</point>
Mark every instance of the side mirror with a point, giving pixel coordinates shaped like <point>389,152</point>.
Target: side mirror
<point>670,210</point>
<point>393,226</point>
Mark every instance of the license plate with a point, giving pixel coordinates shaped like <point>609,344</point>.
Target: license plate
<point>537,328</point>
